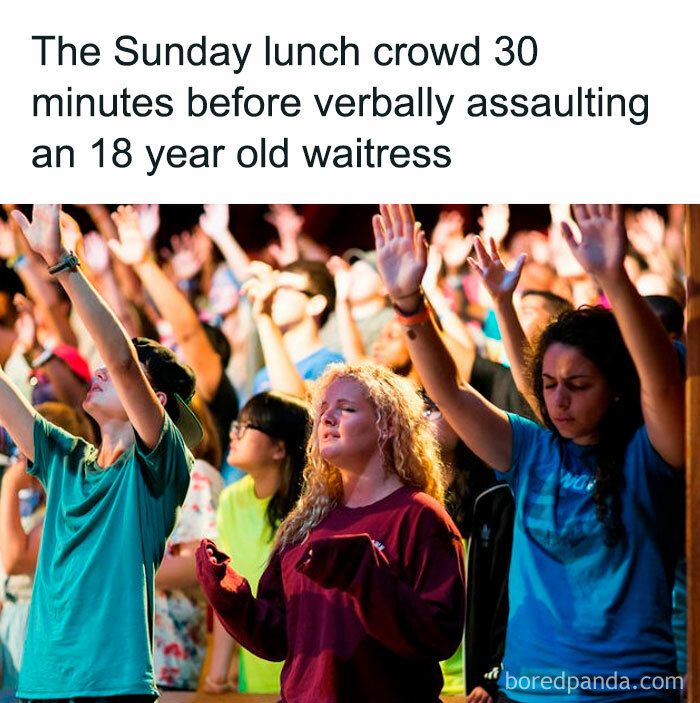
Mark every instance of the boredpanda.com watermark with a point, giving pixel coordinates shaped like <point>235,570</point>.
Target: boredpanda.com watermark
<point>564,682</point>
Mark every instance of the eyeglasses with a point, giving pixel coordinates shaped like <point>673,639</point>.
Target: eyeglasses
<point>303,291</point>
<point>238,429</point>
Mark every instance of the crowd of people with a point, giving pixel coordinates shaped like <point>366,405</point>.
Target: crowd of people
<point>445,463</point>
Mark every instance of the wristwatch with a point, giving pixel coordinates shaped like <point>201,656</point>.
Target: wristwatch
<point>68,262</point>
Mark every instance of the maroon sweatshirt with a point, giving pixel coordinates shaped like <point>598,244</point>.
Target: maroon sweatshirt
<point>361,611</point>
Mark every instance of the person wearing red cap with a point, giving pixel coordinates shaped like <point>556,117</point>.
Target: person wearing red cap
<point>109,509</point>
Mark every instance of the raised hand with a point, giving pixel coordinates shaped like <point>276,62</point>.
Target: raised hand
<point>333,562</point>
<point>25,325</point>
<point>340,270</point>
<point>450,241</point>
<point>96,253</point>
<point>260,287</point>
<point>499,281</point>
<point>494,222</point>
<point>210,564</point>
<point>431,276</point>
<point>401,251</point>
<point>149,219</point>
<point>133,247</point>
<point>560,213</point>
<point>603,245</point>
<point>187,257</point>
<point>647,231</point>
<point>449,223</point>
<point>214,222</point>
<point>289,224</point>
<point>71,235</point>
<point>43,232</point>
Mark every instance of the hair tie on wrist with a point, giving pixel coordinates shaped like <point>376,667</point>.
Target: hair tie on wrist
<point>418,318</point>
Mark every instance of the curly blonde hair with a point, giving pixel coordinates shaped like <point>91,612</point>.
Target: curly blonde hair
<point>407,444</point>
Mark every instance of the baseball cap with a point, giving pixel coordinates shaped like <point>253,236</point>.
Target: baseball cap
<point>167,375</point>
<point>75,361</point>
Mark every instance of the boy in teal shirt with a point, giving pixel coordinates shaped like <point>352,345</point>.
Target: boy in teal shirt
<point>109,509</point>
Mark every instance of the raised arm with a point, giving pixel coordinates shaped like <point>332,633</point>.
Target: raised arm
<point>97,257</point>
<point>501,283</point>
<point>402,258</point>
<point>349,333</point>
<point>142,406</point>
<point>601,252</point>
<point>133,249</point>
<point>215,224</point>
<point>260,289</point>
<point>455,334</point>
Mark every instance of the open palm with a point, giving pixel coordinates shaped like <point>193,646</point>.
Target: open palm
<point>133,247</point>
<point>498,280</point>
<point>603,244</point>
<point>401,250</point>
<point>42,233</point>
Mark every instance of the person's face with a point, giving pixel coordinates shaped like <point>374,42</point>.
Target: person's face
<point>291,302</point>
<point>390,348</point>
<point>102,400</point>
<point>365,283</point>
<point>347,429</point>
<point>223,293</point>
<point>576,393</point>
<point>251,448</point>
<point>534,314</point>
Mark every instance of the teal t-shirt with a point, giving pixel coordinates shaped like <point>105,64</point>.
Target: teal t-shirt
<point>90,627</point>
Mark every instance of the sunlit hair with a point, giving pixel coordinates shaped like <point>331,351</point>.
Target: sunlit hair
<point>407,444</point>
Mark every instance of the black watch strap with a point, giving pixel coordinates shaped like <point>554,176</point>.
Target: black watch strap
<point>68,262</point>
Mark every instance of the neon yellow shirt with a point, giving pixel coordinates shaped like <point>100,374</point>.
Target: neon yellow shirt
<point>245,535</point>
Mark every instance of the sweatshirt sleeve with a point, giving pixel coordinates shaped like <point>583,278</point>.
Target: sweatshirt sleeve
<point>258,624</point>
<point>420,619</point>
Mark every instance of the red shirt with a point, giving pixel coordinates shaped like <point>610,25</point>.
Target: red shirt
<point>362,610</point>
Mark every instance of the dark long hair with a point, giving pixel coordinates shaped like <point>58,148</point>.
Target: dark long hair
<point>288,419</point>
<point>595,333</point>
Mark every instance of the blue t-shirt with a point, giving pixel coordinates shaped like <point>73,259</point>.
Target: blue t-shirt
<point>91,617</point>
<point>578,607</point>
<point>309,368</point>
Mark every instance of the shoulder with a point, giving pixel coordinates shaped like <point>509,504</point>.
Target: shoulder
<point>425,514</point>
<point>322,357</point>
<point>641,453</point>
<point>236,492</point>
<point>526,432</point>
<point>53,446</point>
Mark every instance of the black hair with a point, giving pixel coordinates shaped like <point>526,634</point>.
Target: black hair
<point>288,419</point>
<point>595,333</point>
<point>555,303</point>
<point>669,311</point>
<point>165,373</point>
<point>320,283</point>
